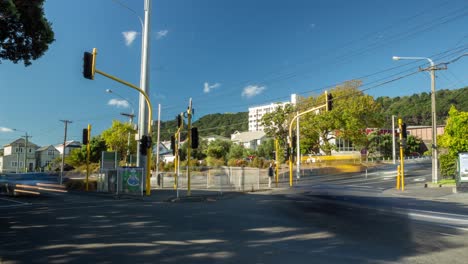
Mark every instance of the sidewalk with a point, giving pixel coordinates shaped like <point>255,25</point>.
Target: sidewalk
<point>418,191</point>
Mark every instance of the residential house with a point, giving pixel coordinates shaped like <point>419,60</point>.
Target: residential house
<point>249,139</point>
<point>45,156</point>
<point>69,146</point>
<point>18,156</point>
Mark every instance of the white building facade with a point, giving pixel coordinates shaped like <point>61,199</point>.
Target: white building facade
<point>257,112</point>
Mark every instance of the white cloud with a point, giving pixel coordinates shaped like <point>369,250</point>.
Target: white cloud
<point>161,34</point>
<point>118,103</point>
<point>252,90</point>
<point>129,37</point>
<point>207,87</point>
<point>6,129</point>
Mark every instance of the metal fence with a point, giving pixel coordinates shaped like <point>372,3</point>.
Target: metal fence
<point>217,179</point>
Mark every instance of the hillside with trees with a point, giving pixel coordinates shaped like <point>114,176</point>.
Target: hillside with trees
<point>416,109</point>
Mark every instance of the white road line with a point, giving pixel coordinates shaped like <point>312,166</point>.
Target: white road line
<point>14,201</point>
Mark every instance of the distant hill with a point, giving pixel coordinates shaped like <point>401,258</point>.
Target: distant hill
<point>416,109</point>
<point>211,124</point>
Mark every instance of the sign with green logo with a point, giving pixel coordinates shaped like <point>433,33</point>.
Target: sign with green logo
<point>132,180</point>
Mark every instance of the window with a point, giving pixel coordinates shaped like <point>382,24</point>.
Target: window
<point>14,164</point>
<point>21,164</point>
<point>344,145</point>
<point>50,152</point>
<point>30,150</point>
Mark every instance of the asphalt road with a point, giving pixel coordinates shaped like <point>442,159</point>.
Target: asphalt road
<point>314,223</point>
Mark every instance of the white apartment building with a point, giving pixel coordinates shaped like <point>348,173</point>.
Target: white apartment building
<point>257,112</point>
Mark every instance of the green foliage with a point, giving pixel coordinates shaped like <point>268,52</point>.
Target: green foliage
<point>455,137</point>
<point>214,162</point>
<point>413,144</point>
<point>266,149</point>
<point>25,33</point>
<point>77,157</point>
<point>276,123</point>
<point>448,165</point>
<point>218,149</point>
<point>416,109</point>
<point>116,138</point>
<point>236,152</point>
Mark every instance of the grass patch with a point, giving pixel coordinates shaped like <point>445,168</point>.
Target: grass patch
<point>447,181</point>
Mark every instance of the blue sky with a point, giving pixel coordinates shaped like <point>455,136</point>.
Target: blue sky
<point>226,55</point>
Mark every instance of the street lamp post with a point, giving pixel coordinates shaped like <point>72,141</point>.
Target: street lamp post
<point>434,116</point>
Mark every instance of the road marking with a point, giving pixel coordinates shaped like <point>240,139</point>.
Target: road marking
<point>17,203</point>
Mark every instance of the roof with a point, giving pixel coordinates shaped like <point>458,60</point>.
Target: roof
<point>69,144</point>
<point>247,136</point>
<point>21,141</point>
<point>215,137</point>
<point>45,148</point>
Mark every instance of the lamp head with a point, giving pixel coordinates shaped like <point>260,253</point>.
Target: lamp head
<point>108,91</point>
<point>396,58</point>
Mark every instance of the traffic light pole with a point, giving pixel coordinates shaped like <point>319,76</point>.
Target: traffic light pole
<point>401,174</point>
<point>290,142</point>
<point>149,128</point>
<point>277,161</point>
<point>88,151</point>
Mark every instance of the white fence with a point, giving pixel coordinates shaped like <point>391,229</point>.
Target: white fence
<point>218,179</point>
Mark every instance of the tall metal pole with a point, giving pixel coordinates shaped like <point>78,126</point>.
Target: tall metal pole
<point>157,143</point>
<point>393,140</point>
<point>144,77</point>
<point>434,125</point>
<point>64,147</point>
<point>298,151</point>
<point>189,147</point>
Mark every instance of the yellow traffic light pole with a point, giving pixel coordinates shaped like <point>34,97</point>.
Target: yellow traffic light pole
<point>150,113</point>
<point>401,168</point>
<point>290,138</point>
<point>277,161</point>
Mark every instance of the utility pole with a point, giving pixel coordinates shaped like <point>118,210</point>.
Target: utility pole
<point>63,151</point>
<point>26,137</point>
<point>277,161</point>
<point>189,144</point>
<point>144,77</point>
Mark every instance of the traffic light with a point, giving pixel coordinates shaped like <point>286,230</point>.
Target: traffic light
<point>329,102</point>
<point>89,61</point>
<point>179,120</point>
<point>194,137</point>
<point>294,143</point>
<point>85,136</point>
<point>144,145</point>
<point>173,144</point>
<point>403,131</point>
<point>149,142</point>
<point>286,153</point>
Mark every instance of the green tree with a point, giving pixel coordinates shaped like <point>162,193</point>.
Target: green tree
<point>454,139</point>
<point>218,149</point>
<point>276,123</point>
<point>352,113</point>
<point>25,33</point>
<point>116,138</point>
<point>266,149</point>
<point>236,152</point>
<point>77,157</point>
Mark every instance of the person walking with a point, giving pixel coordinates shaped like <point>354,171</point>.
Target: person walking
<point>270,175</point>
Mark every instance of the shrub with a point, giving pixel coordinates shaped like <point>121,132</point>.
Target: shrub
<point>448,166</point>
